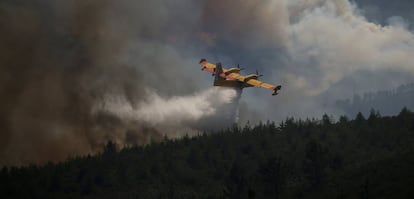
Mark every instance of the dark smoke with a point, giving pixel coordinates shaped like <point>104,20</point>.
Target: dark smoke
<point>60,58</point>
<point>76,74</point>
<point>57,61</point>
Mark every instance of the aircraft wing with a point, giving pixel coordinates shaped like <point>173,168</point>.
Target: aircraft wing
<point>258,83</point>
<point>254,82</point>
<point>235,76</point>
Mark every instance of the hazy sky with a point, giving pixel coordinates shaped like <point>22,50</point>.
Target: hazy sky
<point>75,74</point>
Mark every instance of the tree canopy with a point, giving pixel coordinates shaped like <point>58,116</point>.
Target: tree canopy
<point>359,158</point>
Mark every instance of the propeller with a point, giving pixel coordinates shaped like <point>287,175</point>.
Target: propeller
<point>257,73</point>
<point>238,66</point>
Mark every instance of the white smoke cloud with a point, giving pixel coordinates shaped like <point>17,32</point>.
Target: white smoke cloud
<point>327,45</point>
<point>330,46</point>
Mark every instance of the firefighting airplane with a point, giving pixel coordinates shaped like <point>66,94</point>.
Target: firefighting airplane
<point>232,78</point>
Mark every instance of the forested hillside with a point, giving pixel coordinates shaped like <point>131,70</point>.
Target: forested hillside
<point>370,157</point>
<point>385,101</point>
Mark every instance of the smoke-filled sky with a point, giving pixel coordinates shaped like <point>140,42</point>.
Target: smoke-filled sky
<point>75,74</point>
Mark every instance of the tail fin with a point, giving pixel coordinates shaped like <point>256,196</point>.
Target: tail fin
<point>217,71</point>
<point>218,79</point>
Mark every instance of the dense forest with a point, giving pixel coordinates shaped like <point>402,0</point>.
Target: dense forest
<point>384,101</point>
<point>366,157</point>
